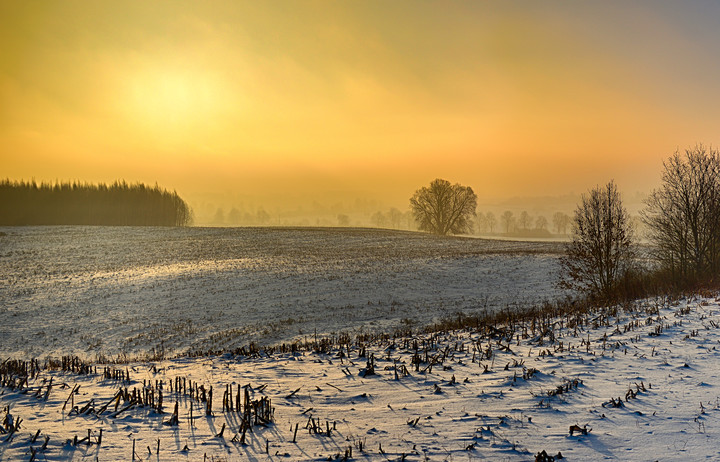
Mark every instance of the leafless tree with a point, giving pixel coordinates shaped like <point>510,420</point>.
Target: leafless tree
<point>443,208</point>
<point>234,216</point>
<point>541,222</point>
<point>409,220</point>
<point>491,221</point>
<point>219,217</point>
<point>482,223</point>
<point>343,220</point>
<point>601,249</point>
<point>683,215</point>
<point>508,221</point>
<point>394,217</point>
<point>263,217</point>
<point>525,221</point>
<point>561,221</point>
<point>378,219</point>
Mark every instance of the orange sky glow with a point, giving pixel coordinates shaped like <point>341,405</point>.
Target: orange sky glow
<point>284,102</point>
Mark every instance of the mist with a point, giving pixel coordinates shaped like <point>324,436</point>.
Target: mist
<point>356,209</point>
<point>323,118</point>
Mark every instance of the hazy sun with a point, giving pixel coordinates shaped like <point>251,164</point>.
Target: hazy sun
<point>175,104</point>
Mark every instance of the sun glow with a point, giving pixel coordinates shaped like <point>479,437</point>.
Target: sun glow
<point>174,105</point>
<point>339,100</point>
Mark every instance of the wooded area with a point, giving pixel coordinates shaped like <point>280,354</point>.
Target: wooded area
<point>118,204</point>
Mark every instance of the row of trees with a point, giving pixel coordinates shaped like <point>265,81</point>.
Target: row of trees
<point>27,203</point>
<point>488,222</point>
<point>390,218</point>
<point>236,217</point>
<point>443,208</point>
<point>393,218</point>
<point>682,218</point>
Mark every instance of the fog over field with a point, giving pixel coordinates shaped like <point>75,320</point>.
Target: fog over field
<point>124,290</point>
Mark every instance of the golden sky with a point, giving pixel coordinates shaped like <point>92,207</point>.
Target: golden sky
<point>305,99</point>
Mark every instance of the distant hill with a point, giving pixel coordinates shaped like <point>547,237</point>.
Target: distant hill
<point>119,204</point>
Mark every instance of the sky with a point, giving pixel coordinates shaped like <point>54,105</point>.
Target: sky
<point>288,102</point>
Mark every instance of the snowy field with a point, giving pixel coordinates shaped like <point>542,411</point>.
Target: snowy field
<point>641,384</point>
<point>126,292</point>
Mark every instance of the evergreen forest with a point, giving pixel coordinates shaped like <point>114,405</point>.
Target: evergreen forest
<point>119,204</point>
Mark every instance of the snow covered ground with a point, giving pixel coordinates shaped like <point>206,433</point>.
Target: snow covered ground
<point>639,385</point>
<point>111,290</point>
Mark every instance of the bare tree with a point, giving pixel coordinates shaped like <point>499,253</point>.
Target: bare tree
<point>491,221</point>
<point>481,221</point>
<point>541,222</point>
<point>525,221</point>
<point>508,221</point>
<point>683,215</point>
<point>343,220</point>
<point>601,249</point>
<point>234,216</point>
<point>394,217</point>
<point>219,217</point>
<point>262,216</point>
<point>378,219</point>
<point>409,220</point>
<point>444,208</point>
<point>561,221</point>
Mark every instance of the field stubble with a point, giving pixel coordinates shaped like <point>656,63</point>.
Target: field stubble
<point>137,291</point>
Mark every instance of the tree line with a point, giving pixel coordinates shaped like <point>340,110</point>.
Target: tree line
<point>682,220</point>
<point>117,204</point>
<point>488,222</point>
<point>443,208</point>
